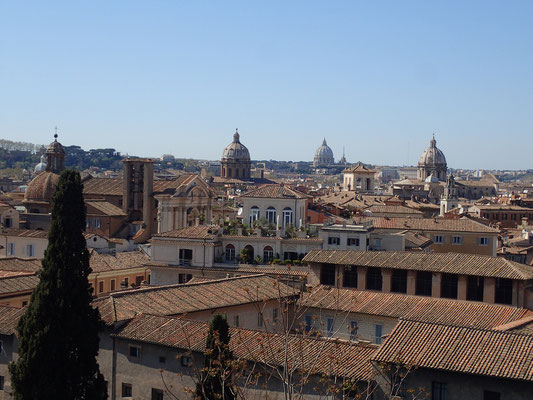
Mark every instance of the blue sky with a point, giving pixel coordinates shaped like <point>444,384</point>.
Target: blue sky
<point>154,77</point>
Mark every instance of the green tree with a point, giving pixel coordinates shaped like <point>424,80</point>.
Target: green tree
<point>216,381</point>
<point>58,333</point>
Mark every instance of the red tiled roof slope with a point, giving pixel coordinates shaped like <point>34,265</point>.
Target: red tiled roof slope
<point>453,263</point>
<point>322,356</point>
<point>429,309</point>
<point>276,191</point>
<point>9,317</point>
<point>459,349</point>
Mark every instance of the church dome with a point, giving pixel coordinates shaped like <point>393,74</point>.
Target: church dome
<point>432,156</point>
<point>55,147</point>
<point>323,155</point>
<point>236,150</point>
<point>41,188</point>
<point>41,167</point>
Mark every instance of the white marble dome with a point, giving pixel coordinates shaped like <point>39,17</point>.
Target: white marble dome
<point>41,167</point>
<point>323,155</point>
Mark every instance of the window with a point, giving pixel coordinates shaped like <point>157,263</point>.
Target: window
<point>230,252</point>
<point>374,280</point>
<point>268,254</point>
<point>287,217</point>
<point>336,241</point>
<point>423,283</point>
<point>438,391</point>
<point>271,215</point>
<point>259,319</point>
<point>352,242</point>
<point>330,326</point>
<point>377,244</point>
<point>236,320</point>
<point>275,312</point>
<point>8,222</point>
<point>112,284</point>
<point>138,280</point>
<point>448,284</point>
<point>504,217</point>
<point>184,278</point>
<point>290,255</point>
<point>483,241</point>
<point>100,286</point>
<point>135,351</point>
<point>327,275</point>
<point>457,240</point>
<point>1,382</point>
<point>24,303</point>
<point>513,217</point>
<point>30,250</point>
<point>350,276</point>
<point>354,327</point>
<point>11,249</point>
<point>439,239</point>
<point>185,257</point>
<point>126,390</point>
<point>308,323</point>
<point>186,361</point>
<point>504,291</point>
<point>490,395</point>
<point>254,215</point>
<point>474,288</point>
<point>126,281</point>
<point>379,334</point>
<point>157,394</point>
<point>399,281</point>
<point>162,359</point>
<point>96,222</point>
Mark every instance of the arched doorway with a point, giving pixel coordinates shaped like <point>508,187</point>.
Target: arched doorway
<point>247,254</point>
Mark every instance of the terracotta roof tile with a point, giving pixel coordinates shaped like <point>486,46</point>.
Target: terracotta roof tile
<point>429,224</point>
<point>9,317</point>
<point>386,209</point>
<point>15,284</point>
<point>322,356</point>
<point>276,191</point>
<point>460,349</point>
<point>429,309</point>
<point>453,263</point>
<point>20,264</point>
<point>184,298</point>
<point>106,208</point>
<point>33,233</point>
<point>359,168</point>
<point>118,261</point>
<point>191,232</point>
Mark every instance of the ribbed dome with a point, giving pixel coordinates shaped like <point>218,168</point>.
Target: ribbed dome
<point>41,167</point>
<point>55,147</point>
<point>432,156</point>
<point>236,150</point>
<point>41,188</point>
<point>324,155</point>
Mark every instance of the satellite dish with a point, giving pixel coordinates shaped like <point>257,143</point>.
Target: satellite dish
<point>240,211</point>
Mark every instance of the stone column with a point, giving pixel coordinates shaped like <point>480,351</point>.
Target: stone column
<point>361,278</point>
<point>435,284</point>
<point>387,279</point>
<point>411,282</point>
<point>462,284</point>
<point>489,290</point>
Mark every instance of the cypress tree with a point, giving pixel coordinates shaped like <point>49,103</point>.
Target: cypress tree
<point>216,380</point>
<point>58,333</point>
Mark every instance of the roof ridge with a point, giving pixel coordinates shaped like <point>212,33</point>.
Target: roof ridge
<point>179,285</point>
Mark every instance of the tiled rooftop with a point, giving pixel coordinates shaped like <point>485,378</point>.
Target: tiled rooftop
<point>9,317</point>
<point>106,208</point>
<point>15,284</point>
<point>114,186</point>
<point>119,261</point>
<point>453,263</point>
<point>192,232</point>
<point>429,309</point>
<point>322,356</point>
<point>185,298</point>
<point>31,233</point>
<point>20,264</point>
<point>276,191</point>
<point>430,224</point>
<point>490,353</point>
<point>385,209</point>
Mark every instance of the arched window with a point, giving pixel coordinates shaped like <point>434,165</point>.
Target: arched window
<point>254,215</point>
<point>271,215</point>
<point>268,254</point>
<point>287,217</point>
<point>249,252</point>
<point>230,252</point>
